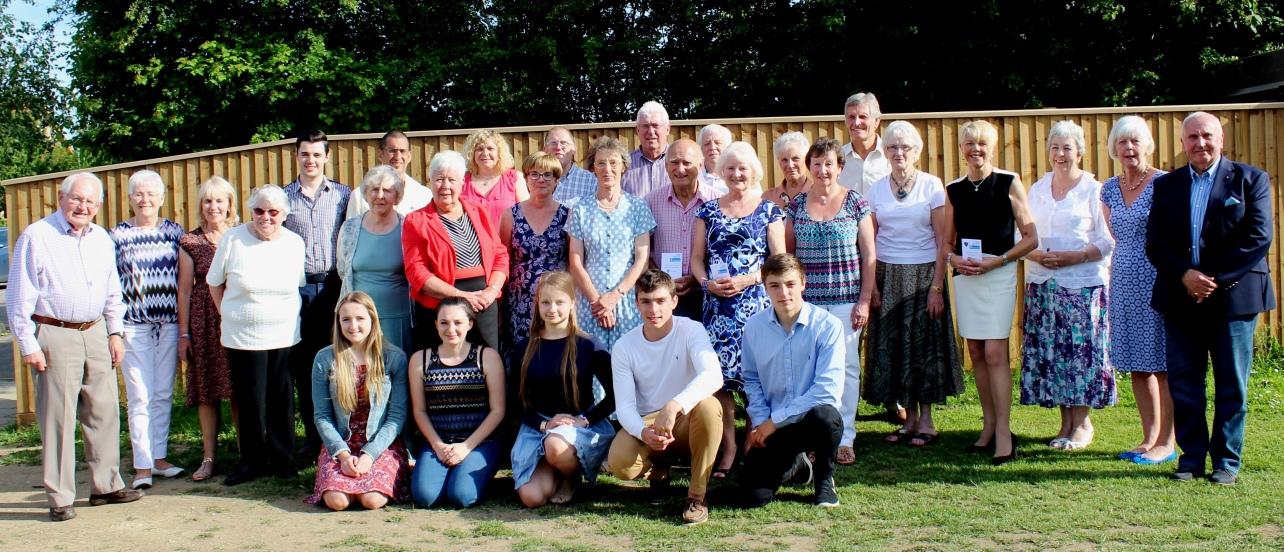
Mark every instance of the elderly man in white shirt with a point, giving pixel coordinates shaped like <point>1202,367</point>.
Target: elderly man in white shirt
<point>394,150</point>
<point>66,312</point>
<point>665,374</point>
<point>865,162</point>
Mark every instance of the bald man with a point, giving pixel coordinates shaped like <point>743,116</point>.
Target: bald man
<point>674,206</point>
<point>1208,235</point>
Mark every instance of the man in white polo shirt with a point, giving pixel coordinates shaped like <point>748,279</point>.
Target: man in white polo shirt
<point>665,374</point>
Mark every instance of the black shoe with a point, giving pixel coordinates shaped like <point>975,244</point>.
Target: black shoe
<point>1001,460</point>
<point>62,514</point>
<point>826,496</point>
<point>1184,473</point>
<point>241,474</point>
<point>1222,476</point>
<point>119,497</point>
<point>975,449</point>
<point>660,486</point>
<point>801,473</point>
<point>760,497</point>
<point>308,451</point>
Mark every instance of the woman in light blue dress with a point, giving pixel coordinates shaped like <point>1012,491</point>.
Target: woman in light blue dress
<point>610,238</point>
<point>369,254</point>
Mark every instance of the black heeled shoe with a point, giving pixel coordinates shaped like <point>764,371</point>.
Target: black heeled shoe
<point>1001,460</point>
<point>974,449</point>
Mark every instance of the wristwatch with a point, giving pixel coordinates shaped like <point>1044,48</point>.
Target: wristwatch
<point>1005,259</point>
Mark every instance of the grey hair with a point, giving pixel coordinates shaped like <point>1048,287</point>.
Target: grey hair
<point>719,130</point>
<point>606,146</point>
<point>145,177</point>
<point>447,160</point>
<point>908,132</point>
<point>653,109</point>
<point>214,187</point>
<point>70,181</point>
<point>744,152</point>
<point>382,174</point>
<point>1131,126</point>
<point>1195,114</point>
<point>273,195</point>
<point>1068,129</point>
<point>865,98</point>
<point>791,139</point>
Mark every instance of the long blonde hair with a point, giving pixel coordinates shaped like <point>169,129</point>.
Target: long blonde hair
<point>344,369</point>
<point>557,281</point>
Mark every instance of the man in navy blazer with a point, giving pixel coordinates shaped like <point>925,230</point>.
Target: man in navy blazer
<point>1208,234</point>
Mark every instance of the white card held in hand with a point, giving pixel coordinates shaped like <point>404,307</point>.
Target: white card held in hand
<point>672,264</point>
<point>718,271</point>
<point>971,250</point>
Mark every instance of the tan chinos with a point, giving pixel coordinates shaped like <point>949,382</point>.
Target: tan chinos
<point>79,383</point>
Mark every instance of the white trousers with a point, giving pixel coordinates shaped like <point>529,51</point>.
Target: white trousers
<point>149,367</point>
<point>851,387</point>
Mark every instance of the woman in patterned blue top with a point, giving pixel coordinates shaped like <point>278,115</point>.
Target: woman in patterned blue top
<point>739,230</point>
<point>147,258</point>
<point>535,233</point>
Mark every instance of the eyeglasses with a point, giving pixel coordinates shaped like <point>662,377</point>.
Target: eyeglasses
<point>394,151</point>
<point>536,175</point>
<point>270,212</point>
<point>557,143</point>
<point>90,203</point>
<point>613,163</point>
<point>894,147</point>
<point>145,195</point>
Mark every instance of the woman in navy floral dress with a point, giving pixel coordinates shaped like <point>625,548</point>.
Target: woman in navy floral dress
<point>739,230</point>
<point>535,231</point>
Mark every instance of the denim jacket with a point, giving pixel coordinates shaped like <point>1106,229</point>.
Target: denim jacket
<point>346,247</point>
<point>387,415</point>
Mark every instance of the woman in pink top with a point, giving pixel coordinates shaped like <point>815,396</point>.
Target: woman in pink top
<point>491,181</point>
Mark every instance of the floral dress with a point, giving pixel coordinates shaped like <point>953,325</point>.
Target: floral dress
<point>531,256</point>
<point>741,244</point>
<point>608,255</point>
<point>208,377</point>
<point>390,473</point>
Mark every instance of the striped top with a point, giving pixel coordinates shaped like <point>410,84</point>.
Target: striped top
<point>464,238</point>
<point>317,221</point>
<point>457,398</point>
<point>147,259</point>
<point>828,250</point>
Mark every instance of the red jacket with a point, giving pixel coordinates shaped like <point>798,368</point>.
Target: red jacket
<point>429,252</point>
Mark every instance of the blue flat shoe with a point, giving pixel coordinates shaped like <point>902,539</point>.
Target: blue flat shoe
<point>1128,455</point>
<point>1139,459</point>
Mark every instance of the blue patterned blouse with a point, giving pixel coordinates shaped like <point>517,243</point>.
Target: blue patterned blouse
<point>147,259</point>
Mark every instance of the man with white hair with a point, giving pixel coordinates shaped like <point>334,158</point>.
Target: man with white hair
<point>66,313</point>
<point>394,151</point>
<point>865,162</point>
<point>713,139</point>
<point>646,165</point>
<point>575,182</point>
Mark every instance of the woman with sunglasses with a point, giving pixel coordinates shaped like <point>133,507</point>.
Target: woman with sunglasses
<point>254,279</point>
<point>535,233</point>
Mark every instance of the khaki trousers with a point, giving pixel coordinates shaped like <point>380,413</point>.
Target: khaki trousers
<point>78,383</point>
<point>698,432</point>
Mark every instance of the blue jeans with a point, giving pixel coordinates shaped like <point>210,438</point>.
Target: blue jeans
<point>1190,342</point>
<point>463,485</point>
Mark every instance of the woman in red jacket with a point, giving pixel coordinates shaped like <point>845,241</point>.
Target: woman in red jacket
<point>452,249</point>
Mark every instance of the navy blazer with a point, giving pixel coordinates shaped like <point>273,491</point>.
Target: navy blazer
<point>1236,236</point>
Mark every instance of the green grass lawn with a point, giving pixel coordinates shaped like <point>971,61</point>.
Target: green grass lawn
<point>894,497</point>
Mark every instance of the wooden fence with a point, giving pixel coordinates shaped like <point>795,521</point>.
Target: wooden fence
<point>1252,132</point>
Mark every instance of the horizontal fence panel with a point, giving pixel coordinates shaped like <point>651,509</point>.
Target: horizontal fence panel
<point>1252,132</point>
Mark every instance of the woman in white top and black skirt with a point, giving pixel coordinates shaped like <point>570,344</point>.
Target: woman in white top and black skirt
<point>987,205</point>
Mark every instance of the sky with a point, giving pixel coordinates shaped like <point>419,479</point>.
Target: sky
<point>37,12</point>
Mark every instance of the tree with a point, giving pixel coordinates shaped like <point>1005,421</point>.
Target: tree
<point>33,104</point>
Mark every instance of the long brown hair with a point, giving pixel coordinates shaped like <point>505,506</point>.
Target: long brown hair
<point>555,281</point>
<point>344,372</point>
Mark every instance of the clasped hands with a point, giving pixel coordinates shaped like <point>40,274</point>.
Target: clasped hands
<point>1198,285</point>
<point>1053,260</point>
<point>604,308</point>
<point>451,454</point>
<point>564,420</point>
<point>973,267</point>
<point>659,435</point>
<point>355,466</point>
<point>731,285</point>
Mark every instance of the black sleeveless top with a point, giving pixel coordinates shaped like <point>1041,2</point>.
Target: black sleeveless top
<point>984,212</point>
<point>458,400</point>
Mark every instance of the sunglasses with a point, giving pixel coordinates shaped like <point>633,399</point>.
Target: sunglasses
<point>270,212</point>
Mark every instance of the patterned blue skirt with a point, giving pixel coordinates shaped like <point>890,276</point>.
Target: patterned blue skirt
<point>1064,359</point>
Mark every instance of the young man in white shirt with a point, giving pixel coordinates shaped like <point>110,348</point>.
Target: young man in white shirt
<point>665,374</point>
<point>794,374</point>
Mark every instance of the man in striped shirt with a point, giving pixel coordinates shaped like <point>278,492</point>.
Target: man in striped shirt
<point>317,209</point>
<point>646,164</point>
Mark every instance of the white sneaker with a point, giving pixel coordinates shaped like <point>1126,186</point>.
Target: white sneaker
<point>142,483</point>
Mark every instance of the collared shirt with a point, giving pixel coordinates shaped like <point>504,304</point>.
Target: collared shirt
<point>644,175</point>
<point>789,373</point>
<point>58,274</point>
<point>317,221</point>
<point>860,174</point>
<point>675,223</point>
<point>713,181</point>
<point>576,183</point>
<point>1201,185</point>
<point>416,197</point>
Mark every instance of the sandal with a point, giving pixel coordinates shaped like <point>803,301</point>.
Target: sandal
<point>923,438</point>
<point>206,470</point>
<point>899,436</point>
<point>846,456</point>
<point>1058,443</point>
<point>721,473</point>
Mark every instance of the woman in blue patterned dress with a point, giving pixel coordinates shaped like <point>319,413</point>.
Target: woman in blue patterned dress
<point>1063,352</point>
<point>535,233</point>
<point>610,238</point>
<point>739,230</point>
<point>1136,330</point>
<point>147,258</point>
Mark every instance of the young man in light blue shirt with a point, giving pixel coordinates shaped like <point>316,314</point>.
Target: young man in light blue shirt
<point>793,370</point>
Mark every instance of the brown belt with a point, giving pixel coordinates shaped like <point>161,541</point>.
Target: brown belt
<point>81,326</point>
